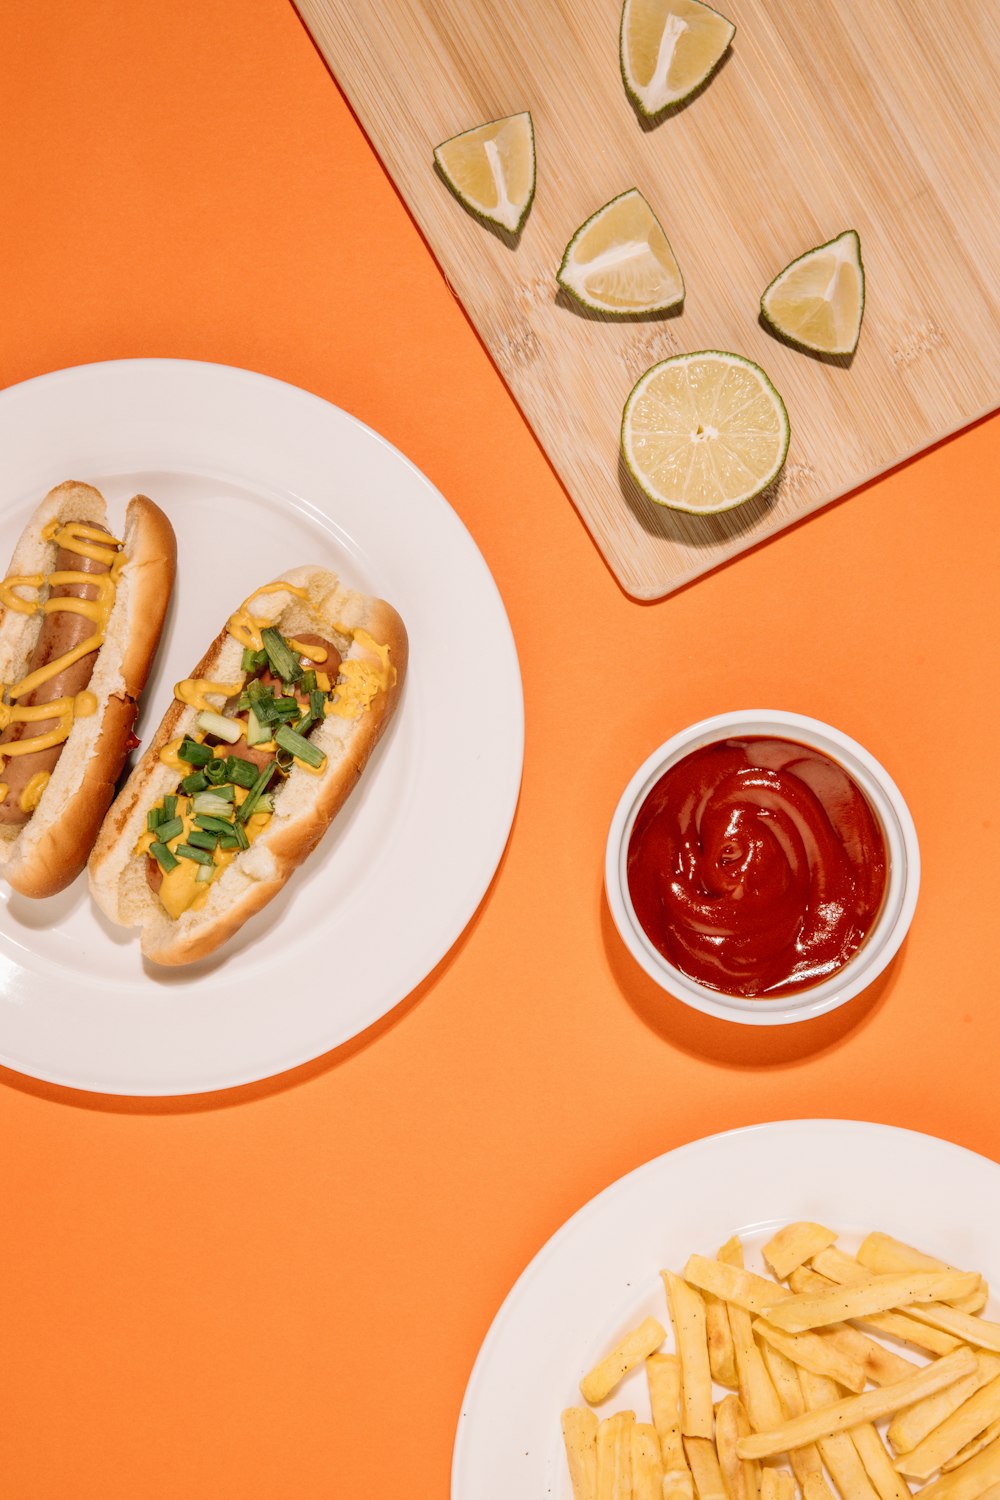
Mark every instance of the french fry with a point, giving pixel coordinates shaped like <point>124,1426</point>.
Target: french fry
<point>776,1484</point>
<point>687,1314</point>
<point>704,1465</point>
<point>880,1364</point>
<point>877,1294</point>
<point>663,1375</point>
<point>579,1429</point>
<point>614,1456</point>
<point>910,1427</point>
<point>806,1462</point>
<point>647,1465</point>
<point>598,1384</point>
<point>678,1484</point>
<point>741,1478</point>
<point>971,1330</point>
<point>870,1406</point>
<point>971,1418</point>
<point>721,1357</point>
<point>814,1352</point>
<point>881,1253</point>
<point>897,1325</point>
<point>793,1245</point>
<point>985,1438</point>
<point>974,1478</point>
<point>838,1451</point>
<point>732,1284</point>
<point>756,1390</point>
<point>889,1484</point>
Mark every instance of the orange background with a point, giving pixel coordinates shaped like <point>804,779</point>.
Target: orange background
<point>282,1290</point>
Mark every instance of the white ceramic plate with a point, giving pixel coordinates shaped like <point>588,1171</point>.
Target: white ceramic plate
<point>258,476</point>
<point>599,1274</point>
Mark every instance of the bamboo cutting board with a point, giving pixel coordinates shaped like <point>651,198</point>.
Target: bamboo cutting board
<point>878,115</point>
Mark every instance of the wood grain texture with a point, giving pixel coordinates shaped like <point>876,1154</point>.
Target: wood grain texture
<point>878,115</point>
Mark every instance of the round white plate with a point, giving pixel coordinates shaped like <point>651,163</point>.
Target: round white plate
<point>258,476</point>
<point>598,1275</point>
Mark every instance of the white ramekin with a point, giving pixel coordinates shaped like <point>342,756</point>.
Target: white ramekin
<point>902,874</point>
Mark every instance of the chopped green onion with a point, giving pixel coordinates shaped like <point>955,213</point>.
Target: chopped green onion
<point>217,724</point>
<point>249,807</point>
<point>199,856</point>
<point>206,873</point>
<point>199,839</point>
<point>213,804</point>
<point>286,708</point>
<point>154,818</point>
<point>215,771</point>
<point>163,856</point>
<point>240,772</point>
<point>196,782</point>
<point>265,803</point>
<point>240,831</point>
<point>212,824</point>
<point>253,660</point>
<point>170,829</point>
<point>285,760</point>
<point>193,753</point>
<point>229,841</point>
<point>169,806</point>
<point>287,739</point>
<point>261,699</point>
<point>308,683</point>
<point>317,700</point>
<point>283,661</point>
<point>258,733</point>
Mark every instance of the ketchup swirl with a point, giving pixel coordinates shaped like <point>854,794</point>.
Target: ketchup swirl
<point>756,867</point>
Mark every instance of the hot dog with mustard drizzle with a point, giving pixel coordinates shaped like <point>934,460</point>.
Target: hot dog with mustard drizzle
<point>82,611</point>
<point>258,752</point>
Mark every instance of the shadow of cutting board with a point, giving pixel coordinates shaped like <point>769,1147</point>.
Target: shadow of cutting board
<point>881,115</point>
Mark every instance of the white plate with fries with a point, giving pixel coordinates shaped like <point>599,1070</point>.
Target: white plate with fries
<point>864,1222</point>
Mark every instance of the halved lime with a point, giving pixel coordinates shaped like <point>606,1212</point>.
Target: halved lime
<point>704,432</point>
<point>620,261</point>
<point>491,169</point>
<point>668,48</point>
<point>818,300</point>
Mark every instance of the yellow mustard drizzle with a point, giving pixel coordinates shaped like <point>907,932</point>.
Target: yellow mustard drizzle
<point>87,541</point>
<point>4,789</point>
<point>194,692</point>
<point>32,794</point>
<point>360,679</point>
<point>180,889</point>
<point>246,627</point>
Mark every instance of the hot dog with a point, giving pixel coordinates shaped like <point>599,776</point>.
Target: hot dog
<point>81,618</point>
<point>258,752</point>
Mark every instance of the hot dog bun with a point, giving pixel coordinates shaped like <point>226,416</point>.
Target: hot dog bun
<point>304,805</point>
<point>51,848</point>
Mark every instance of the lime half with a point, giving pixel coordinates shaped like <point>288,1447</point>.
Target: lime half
<point>620,261</point>
<point>491,169</point>
<point>668,48</point>
<point>818,301</point>
<point>704,432</point>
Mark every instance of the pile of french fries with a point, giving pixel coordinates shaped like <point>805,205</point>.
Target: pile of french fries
<point>807,1382</point>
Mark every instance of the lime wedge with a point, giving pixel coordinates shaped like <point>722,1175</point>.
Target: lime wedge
<point>704,432</point>
<point>668,48</point>
<point>818,301</point>
<point>620,261</point>
<point>491,169</point>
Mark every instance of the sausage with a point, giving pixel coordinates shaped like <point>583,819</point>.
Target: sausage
<point>61,631</point>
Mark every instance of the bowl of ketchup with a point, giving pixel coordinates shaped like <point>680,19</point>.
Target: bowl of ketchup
<point>762,867</point>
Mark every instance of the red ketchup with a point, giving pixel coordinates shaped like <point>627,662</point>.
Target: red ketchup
<point>756,867</point>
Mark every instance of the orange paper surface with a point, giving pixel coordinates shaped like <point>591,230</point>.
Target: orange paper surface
<point>282,1291</point>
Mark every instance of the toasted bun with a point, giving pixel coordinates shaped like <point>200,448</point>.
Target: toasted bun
<point>51,849</point>
<point>304,806</point>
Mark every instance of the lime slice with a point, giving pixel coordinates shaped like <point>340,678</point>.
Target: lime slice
<point>491,169</point>
<point>620,261</point>
<point>817,302</point>
<point>668,48</point>
<point>704,432</point>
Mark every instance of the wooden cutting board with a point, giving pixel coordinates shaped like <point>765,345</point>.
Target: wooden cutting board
<point>878,115</point>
